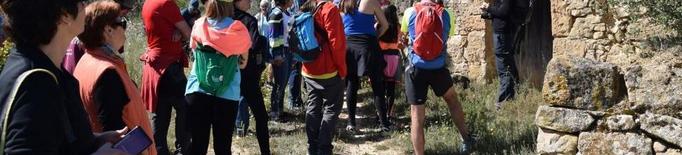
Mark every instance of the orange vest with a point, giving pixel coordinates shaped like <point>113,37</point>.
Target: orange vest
<point>89,69</point>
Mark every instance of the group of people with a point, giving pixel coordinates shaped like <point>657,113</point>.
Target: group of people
<point>70,91</point>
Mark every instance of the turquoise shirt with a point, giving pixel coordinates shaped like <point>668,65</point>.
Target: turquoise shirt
<point>233,92</point>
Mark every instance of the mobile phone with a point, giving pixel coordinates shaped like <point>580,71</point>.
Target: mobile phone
<point>134,141</point>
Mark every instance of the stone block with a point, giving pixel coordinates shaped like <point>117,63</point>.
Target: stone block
<point>562,119</point>
<point>582,83</point>
<point>597,143</point>
<point>551,143</point>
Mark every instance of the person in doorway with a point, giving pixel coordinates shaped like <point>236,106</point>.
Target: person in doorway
<point>250,80</point>
<point>43,112</point>
<point>324,77</point>
<point>363,55</point>
<point>109,95</point>
<point>163,77</point>
<point>503,38</point>
<point>427,68</point>
<point>221,46</point>
<point>279,19</point>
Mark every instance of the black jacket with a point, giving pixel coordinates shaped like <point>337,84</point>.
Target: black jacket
<point>506,14</point>
<point>46,118</point>
<point>259,44</point>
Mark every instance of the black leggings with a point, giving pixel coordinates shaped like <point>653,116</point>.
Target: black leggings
<point>206,111</point>
<point>364,58</point>
<point>251,90</point>
<point>390,97</point>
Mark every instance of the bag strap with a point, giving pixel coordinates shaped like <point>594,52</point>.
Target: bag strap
<point>10,100</point>
<point>318,27</point>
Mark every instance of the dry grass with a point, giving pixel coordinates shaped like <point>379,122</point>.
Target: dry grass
<point>510,131</point>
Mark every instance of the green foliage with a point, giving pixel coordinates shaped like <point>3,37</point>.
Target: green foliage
<point>4,52</point>
<point>663,12</point>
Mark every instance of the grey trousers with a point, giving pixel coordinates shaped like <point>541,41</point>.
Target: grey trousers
<point>323,106</point>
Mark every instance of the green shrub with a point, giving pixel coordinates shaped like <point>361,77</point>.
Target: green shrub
<point>663,12</point>
<point>4,52</point>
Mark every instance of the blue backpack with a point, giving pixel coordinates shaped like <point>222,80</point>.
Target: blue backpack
<point>302,41</point>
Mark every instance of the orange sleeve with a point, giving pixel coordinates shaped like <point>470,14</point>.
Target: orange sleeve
<point>337,38</point>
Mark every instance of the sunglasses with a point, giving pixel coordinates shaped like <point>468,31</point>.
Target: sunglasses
<point>121,21</point>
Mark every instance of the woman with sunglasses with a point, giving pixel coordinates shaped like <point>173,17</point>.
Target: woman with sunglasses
<point>109,95</point>
<point>42,112</point>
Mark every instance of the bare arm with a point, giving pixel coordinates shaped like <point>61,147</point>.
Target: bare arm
<point>184,29</point>
<point>381,18</point>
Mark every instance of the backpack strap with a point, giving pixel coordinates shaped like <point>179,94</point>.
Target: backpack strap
<point>319,28</point>
<point>7,109</point>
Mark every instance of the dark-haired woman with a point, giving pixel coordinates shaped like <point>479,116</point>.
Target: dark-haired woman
<point>43,109</point>
<point>363,55</point>
<point>390,48</point>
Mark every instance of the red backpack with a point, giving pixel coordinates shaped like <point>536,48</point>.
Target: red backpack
<point>428,42</point>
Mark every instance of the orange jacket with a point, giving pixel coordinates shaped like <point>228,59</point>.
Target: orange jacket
<point>89,69</point>
<point>333,56</point>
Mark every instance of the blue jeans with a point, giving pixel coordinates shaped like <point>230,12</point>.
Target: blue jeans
<point>281,77</point>
<point>242,114</point>
<point>295,85</point>
<point>505,65</point>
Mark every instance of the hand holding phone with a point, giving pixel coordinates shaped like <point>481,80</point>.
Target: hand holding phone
<point>134,142</point>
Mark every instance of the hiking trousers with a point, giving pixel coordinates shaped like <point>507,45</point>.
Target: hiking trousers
<point>325,97</point>
<point>171,96</point>
<point>505,65</point>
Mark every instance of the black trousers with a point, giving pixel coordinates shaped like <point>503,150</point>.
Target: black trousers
<point>363,57</point>
<point>251,90</point>
<point>171,94</point>
<point>325,97</point>
<point>208,112</point>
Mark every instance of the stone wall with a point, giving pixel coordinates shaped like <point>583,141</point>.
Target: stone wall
<point>609,88</point>
<point>471,49</point>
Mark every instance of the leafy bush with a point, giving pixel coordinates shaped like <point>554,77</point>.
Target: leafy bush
<point>663,12</point>
<point>4,52</point>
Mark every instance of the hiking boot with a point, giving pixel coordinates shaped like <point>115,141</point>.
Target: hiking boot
<point>468,144</point>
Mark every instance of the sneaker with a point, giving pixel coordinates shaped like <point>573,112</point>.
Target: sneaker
<point>241,132</point>
<point>468,145</point>
<point>386,129</point>
<point>351,128</point>
<point>498,106</point>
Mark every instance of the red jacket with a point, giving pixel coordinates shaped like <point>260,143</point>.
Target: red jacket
<point>333,56</point>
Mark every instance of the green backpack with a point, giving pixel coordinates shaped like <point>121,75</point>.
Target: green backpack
<point>214,70</point>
